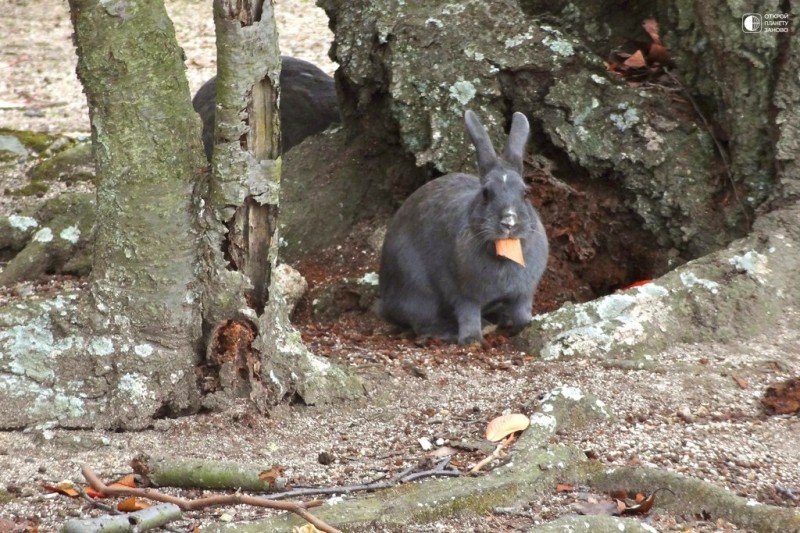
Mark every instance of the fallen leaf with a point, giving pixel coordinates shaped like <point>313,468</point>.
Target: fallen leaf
<point>650,25</point>
<point>637,284</point>
<point>658,54</point>
<point>308,528</point>
<point>125,482</point>
<point>92,493</point>
<point>271,476</point>
<point>643,506</point>
<point>64,487</point>
<point>636,60</point>
<point>505,425</point>
<point>782,398</point>
<point>563,487</point>
<point>510,249</point>
<point>131,505</point>
<point>741,382</point>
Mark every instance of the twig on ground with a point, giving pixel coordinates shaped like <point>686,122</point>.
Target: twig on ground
<point>496,454</point>
<point>298,508</point>
<point>402,477</point>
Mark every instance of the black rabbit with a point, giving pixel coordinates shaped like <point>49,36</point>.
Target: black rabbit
<point>440,274</point>
<point>308,103</point>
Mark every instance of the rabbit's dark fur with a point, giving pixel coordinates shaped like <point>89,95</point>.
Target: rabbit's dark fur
<point>308,103</point>
<point>439,271</point>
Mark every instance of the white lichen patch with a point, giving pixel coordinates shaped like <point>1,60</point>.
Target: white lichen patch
<point>434,22</point>
<point>22,223</point>
<point>517,40</point>
<point>57,405</point>
<point>143,350</point>
<point>70,234</point>
<point>570,393</point>
<point>599,80</point>
<point>463,92</point>
<point>43,235</point>
<point>370,278</point>
<point>559,46</point>
<point>626,120</point>
<point>689,280</point>
<point>473,54</point>
<point>614,305</point>
<point>547,422</point>
<point>752,263</point>
<point>101,346</point>
<point>135,387</point>
<point>453,9</point>
<point>606,325</point>
<point>318,364</point>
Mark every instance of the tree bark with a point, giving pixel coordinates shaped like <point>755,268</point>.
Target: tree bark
<point>169,323</point>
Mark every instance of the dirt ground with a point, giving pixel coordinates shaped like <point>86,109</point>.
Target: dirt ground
<point>699,413</point>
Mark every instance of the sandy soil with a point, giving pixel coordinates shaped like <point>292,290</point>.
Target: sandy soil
<point>706,422</point>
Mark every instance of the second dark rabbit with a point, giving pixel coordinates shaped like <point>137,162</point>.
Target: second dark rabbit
<point>440,273</point>
<point>308,103</point>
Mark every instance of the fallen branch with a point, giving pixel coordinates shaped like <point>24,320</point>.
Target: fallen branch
<point>298,508</point>
<point>150,518</point>
<point>212,475</point>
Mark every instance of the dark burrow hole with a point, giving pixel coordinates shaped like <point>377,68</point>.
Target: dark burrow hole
<point>598,245</point>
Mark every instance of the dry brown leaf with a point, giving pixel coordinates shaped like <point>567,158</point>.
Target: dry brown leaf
<point>563,487</point>
<point>636,60</point>
<point>505,425</point>
<point>125,482</point>
<point>643,506</point>
<point>131,505</point>
<point>308,528</point>
<point>658,54</point>
<point>743,384</point>
<point>271,475</point>
<point>650,25</point>
<point>783,398</point>
<point>65,487</point>
<point>511,249</point>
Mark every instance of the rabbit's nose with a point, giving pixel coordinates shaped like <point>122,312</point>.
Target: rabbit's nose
<point>509,220</point>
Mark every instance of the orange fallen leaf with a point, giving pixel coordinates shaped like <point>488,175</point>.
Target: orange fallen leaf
<point>130,505</point>
<point>636,284</point>
<point>643,505</point>
<point>92,493</point>
<point>510,249</point>
<point>65,487</point>
<point>636,60</point>
<point>563,487</point>
<point>503,426</point>
<point>650,25</point>
<point>658,54</point>
<point>271,476</point>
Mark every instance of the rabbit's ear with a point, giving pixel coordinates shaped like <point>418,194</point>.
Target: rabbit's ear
<point>487,158</point>
<point>517,137</point>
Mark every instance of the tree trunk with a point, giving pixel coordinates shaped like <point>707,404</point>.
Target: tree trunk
<point>176,317</point>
